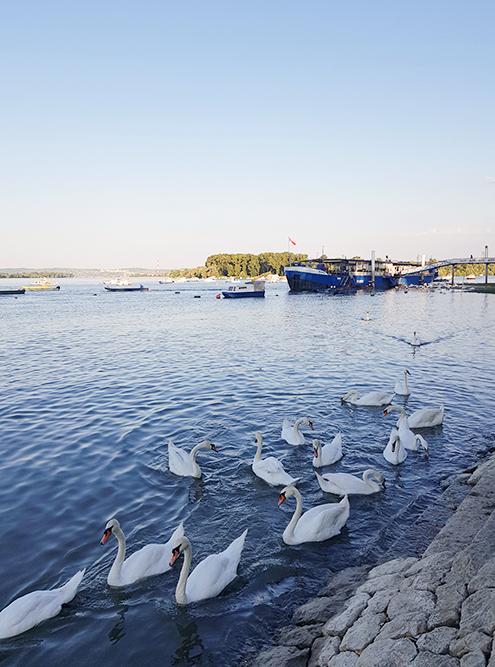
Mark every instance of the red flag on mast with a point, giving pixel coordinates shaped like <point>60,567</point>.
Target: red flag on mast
<point>291,241</point>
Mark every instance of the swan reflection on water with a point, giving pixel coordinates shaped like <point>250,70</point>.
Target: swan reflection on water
<point>191,647</point>
<point>117,632</point>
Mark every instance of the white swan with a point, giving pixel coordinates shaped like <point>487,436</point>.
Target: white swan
<point>210,576</point>
<point>341,483</point>
<point>401,387</point>
<point>371,398</point>
<point>329,453</point>
<point>426,417</point>
<point>291,434</point>
<point>416,341</point>
<point>183,463</point>
<point>149,561</point>
<point>317,524</point>
<point>409,439</point>
<point>395,452</point>
<point>33,608</point>
<point>269,469</point>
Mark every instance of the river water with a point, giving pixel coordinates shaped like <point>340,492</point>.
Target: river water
<point>93,384</point>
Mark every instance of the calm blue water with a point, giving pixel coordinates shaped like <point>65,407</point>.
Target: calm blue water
<point>93,385</point>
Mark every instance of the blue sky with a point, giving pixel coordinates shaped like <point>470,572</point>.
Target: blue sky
<point>132,132</point>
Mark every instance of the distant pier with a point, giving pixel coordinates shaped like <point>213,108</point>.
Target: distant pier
<point>454,262</point>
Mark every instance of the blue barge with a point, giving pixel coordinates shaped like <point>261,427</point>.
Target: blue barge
<point>349,275</point>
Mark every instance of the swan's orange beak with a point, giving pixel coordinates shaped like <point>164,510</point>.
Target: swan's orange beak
<point>311,426</point>
<point>106,535</point>
<point>281,499</point>
<point>385,413</point>
<point>175,555</point>
<point>316,453</point>
<point>214,448</point>
<point>393,446</point>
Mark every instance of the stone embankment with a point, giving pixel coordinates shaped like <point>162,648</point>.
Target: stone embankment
<point>433,611</point>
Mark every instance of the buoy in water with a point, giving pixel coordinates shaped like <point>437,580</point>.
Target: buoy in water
<point>367,317</point>
<point>218,296</point>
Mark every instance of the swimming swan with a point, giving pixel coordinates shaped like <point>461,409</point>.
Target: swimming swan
<point>33,608</point>
<point>269,469</point>
<point>341,483</point>
<point>317,524</point>
<point>395,452</point>
<point>184,464</point>
<point>416,341</point>
<point>149,561</point>
<point>401,385</point>
<point>371,398</point>
<point>409,439</point>
<point>426,417</point>
<point>291,434</point>
<point>329,453</point>
<point>210,576</point>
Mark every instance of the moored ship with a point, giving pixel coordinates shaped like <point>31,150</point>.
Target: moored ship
<point>344,275</point>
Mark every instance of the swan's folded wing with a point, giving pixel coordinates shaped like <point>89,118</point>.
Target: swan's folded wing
<point>210,577</point>
<point>31,609</point>
<point>322,522</point>
<point>272,466</point>
<point>178,459</point>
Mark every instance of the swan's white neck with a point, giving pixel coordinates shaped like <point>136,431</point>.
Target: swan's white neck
<point>370,482</point>
<point>114,576</point>
<point>196,470</point>
<point>366,477</point>
<point>405,381</point>
<point>397,407</point>
<point>296,425</point>
<point>180,591</point>
<point>289,531</point>
<point>257,456</point>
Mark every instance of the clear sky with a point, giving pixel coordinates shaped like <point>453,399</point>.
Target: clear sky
<point>132,132</point>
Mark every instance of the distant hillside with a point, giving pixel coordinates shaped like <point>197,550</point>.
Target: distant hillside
<point>24,272</point>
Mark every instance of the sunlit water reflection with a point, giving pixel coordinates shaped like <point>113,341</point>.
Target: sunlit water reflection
<point>94,384</point>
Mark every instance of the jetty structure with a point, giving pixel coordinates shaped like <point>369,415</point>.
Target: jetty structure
<point>343,275</point>
<point>454,262</point>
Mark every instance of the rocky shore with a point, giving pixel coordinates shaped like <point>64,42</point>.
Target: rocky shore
<point>433,611</point>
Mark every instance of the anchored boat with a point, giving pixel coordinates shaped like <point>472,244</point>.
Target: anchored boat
<point>42,284</point>
<point>126,288</point>
<point>245,288</point>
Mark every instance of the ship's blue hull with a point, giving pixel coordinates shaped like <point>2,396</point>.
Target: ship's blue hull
<point>306,279</point>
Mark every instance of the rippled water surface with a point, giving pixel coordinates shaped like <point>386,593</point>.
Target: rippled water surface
<point>93,385</point>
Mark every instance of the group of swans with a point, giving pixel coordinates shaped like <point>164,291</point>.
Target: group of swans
<point>207,580</point>
<point>272,471</point>
<point>402,438</point>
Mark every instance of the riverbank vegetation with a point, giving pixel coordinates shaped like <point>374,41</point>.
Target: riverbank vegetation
<point>240,265</point>
<point>466,270</point>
